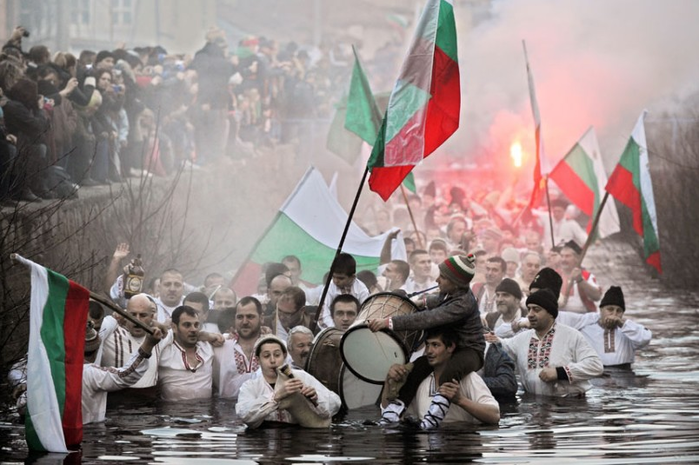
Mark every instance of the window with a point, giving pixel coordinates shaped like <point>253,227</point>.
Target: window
<point>80,12</point>
<point>122,12</point>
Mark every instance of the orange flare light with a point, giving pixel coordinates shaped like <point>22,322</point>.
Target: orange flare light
<point>516,154</point>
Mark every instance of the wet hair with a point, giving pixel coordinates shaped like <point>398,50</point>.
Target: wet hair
<point>247,300</point>
<point>367,277</point>
<point>503,263</point>
<point>177,313</point>
<point>345,263</point>
<point>344,298</point>
<point>448,335</point>
<point>199,298</point>
<point>296,295</point>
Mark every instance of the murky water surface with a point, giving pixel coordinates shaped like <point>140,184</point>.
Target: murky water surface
<point>648,416</point>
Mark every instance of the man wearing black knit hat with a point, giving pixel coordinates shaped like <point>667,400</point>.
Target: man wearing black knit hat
<point>505,322</point>
<point>614,337</point>
<point>552,359</point>
<point>456,307</point>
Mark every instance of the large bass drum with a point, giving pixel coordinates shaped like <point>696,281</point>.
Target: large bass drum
<point>324,360</point>
<point>356,393</point>
<point>369,354</point>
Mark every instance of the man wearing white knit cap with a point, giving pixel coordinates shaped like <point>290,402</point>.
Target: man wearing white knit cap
<point>454,306</point>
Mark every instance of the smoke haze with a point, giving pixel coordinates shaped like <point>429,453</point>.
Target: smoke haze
<point>594,63</point>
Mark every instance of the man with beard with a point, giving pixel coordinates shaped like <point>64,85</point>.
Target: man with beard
<point>299,343</point>
<point>552,359</point>
<point>234,362</point>
<point>505,322</point>
<point>186,363</point>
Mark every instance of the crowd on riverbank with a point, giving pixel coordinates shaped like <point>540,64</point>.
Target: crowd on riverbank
<point>102,116</point>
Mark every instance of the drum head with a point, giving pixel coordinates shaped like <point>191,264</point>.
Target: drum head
<point>356,393</point>
<point>324,359</point>
<point>369,355</point>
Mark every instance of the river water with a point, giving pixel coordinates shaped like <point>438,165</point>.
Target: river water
<point>648,416</point>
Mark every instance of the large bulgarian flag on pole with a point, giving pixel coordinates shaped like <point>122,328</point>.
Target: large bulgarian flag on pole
<point>581,177</point>
<point>631,185</point>
<point>308,226</point>
<point>423,110</point>
<point>57,321</point>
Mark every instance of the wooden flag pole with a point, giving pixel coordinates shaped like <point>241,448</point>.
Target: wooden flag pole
<point>412,218</point>
<point>104,301</point>
<point>548,203</point>
<point>319,311</point>
<point>593,228</point>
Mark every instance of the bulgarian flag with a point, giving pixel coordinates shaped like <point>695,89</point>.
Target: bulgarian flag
<point>631,185</point>
<point>539,180</point>
<point>309,225</point>
<point>423,110</point>
<point>581,177</point>
<point>57,321</point>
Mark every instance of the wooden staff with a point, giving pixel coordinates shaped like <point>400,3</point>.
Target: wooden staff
<point>412,218</point>
<point>319,311</point>
<point>98,298</point>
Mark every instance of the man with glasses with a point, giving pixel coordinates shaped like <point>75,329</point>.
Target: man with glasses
<point>289,312</point>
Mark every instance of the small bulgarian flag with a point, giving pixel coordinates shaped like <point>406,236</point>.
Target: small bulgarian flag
<point>631,185</point>
<point>423,110</point>
<point>57,320</point>
<point>581,177</point>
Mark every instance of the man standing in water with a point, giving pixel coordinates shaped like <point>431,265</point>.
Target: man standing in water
<point>552,359</point>
<point>614,337</point>
<point>470,399</point>
<point>186,363</point>
<point>455,306</point>
<point>234,362</point>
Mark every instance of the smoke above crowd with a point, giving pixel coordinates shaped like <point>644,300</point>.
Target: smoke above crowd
<point>595,63</point>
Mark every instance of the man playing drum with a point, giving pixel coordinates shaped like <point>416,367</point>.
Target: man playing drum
<point>454,306</point>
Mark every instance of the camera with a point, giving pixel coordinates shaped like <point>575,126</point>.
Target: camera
<point>25,33</point>
<point>117,88</point>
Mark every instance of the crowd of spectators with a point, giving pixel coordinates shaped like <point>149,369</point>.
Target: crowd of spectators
<point>103,116</point>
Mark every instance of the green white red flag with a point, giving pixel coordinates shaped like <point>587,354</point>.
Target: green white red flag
<point>57,321</point>
<point>423,110</point>
<point>630,183</point>
<point>539,180</point>
<point>309,225</point>
<point>581,177</point>
<point>363,116</point>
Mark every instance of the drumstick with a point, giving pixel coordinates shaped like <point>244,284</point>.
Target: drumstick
<point>422,292</point>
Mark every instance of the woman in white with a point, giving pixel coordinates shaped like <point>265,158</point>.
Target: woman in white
<point>258,400</point>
